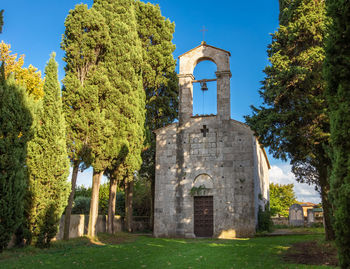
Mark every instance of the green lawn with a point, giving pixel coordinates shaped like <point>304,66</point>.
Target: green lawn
<point>148,252</point>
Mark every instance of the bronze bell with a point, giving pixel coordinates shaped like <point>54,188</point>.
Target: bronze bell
<point>204,86</point>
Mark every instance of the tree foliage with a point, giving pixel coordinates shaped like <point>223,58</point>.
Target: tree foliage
<point>15,132</point>
<point>125,106</point>
<point>337,72</point>
<point>29,77</point>
<point>159,79</point>
<point>85,42</point>
<point>281,198</point>
<point>158,73</point>
<point>293,119</point>
<point>48,163</point>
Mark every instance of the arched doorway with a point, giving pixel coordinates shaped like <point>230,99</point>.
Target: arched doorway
<point>203,207</point>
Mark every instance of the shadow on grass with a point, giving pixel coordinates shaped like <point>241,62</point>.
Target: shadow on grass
<point>59,246</point>
<point>138,251</point>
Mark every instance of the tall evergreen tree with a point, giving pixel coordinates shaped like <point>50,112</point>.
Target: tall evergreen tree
<point>15,123</point>
<point>48,163</point>
<point>125,106</point>
<point>159,79</point>
<point>337,72</point>
<point>293,121</point>
<point>85,42</point>
<point>1,20</point>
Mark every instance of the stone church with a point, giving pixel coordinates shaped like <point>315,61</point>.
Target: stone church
<point>211,172</point>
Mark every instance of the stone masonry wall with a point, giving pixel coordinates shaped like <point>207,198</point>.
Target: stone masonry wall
<point>226,154</point>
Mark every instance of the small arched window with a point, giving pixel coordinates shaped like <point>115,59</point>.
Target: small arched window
<point>203,180</point>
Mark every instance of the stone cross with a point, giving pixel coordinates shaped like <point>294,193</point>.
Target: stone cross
<point>203,30</point>
<point>205,130</point>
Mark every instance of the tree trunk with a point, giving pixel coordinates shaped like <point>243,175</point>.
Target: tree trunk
<point>70,201</point>
<point>111,204</point>
<point>326,205</point>
<point>96,179</point>
<point>153,186</point>
<point>129,188</point>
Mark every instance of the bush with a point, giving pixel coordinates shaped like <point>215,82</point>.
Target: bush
<point>141,201</point>
<point>120,204</point>
<point>264,219</point>
<point>81,205</point>
<point>103,199</point>
<point>142,198</point>
<point>82,191</point>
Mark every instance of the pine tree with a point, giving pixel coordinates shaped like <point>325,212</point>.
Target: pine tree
<point>48,163</point>
<point>337,73</point>
<point>293,120</point>
<point>85,42</point>
<point>15,123</point>
<point>126,98</point>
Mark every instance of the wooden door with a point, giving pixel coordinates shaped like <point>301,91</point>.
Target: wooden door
<point>203,216</point>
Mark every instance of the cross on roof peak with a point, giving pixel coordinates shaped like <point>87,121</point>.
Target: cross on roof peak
<point>203,30</point>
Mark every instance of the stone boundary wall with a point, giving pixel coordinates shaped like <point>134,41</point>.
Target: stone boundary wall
<point>280,221</point>
<point>285,221</point>
<point>79,225</point>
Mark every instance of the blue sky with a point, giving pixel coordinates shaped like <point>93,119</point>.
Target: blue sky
<point>35,28</point>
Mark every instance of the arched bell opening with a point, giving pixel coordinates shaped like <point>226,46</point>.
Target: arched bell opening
<point>204,88</point>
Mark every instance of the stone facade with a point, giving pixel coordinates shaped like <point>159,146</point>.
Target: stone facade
<point>214,152</point>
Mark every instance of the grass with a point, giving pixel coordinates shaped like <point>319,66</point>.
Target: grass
<point>132,251</point>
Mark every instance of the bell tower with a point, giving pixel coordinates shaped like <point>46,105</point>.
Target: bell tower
<point>188,62</point>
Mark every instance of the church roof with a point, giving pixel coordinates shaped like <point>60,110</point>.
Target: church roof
<point>267,159</point>
<point>165,127</point>
<point>203,44</point>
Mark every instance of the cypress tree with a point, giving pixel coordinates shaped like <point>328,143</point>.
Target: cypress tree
<point>15,123</point>
<point>84,42</point>
<point>126,98</point>
<point>159,79</point>
<point>293,120</point>
<point>1,20</point>
<point>337,73</point>
<point>48,163</point>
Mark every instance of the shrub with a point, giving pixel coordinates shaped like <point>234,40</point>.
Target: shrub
<point>120,204</point>
<point>142,198</point>
<point>81,205</point>
<point>264,219</point>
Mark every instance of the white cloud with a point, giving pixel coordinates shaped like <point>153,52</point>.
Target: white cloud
<point>282,174</point>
